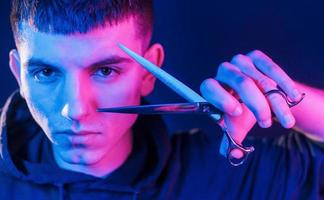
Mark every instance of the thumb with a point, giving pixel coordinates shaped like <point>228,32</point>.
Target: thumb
<point>237,128</point>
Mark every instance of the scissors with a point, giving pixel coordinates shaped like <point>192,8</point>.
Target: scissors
<point>197,105</point>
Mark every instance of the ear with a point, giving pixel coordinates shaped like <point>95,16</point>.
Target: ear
<point>14,63</point>
<point>154,54</point>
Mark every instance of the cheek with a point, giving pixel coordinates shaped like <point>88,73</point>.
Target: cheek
<point>41,99</point>
<point>123,93</point>
<point>40,110</point>
<point>42,102</point>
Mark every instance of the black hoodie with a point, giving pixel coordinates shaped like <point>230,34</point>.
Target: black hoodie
<point>188,166</point>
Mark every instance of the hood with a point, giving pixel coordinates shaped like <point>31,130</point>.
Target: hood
<point>25,152</point>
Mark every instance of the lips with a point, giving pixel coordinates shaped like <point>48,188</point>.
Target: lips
<point>76,139</point>
<point>79,133</point>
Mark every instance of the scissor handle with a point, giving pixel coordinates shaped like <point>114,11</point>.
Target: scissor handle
<point>279,91</point>
<point>228,144</point>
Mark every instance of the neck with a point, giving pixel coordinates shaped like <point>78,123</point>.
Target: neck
<point>111,161</point>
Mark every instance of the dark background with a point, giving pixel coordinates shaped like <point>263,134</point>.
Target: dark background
<point>199,36</point>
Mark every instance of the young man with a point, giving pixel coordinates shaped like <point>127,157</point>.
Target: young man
<point>55,145</point>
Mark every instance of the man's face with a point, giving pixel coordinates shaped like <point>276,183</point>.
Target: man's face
<point>65,78</point>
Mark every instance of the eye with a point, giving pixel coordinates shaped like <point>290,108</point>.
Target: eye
<point>105,72</point>
<point>45,74</point>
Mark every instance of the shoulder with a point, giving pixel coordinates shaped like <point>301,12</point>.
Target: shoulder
<point>194,140</point>
<point>289,164</point>
<point>292,145</point>
<point>292,153</point>
<point>197,149</point>
<point>291,158</point>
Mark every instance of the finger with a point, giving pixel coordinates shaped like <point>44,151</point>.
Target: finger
<point>271,69</point>
<point>239,127</point>
<point>247,90</point>
<point>281,110</point>
<point>245,65</point>
<point>214,93</point>
<point>277,103</point>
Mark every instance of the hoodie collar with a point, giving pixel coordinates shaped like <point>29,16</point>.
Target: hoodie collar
<point>26,154</point>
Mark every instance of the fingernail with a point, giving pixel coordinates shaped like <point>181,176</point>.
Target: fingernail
<point>238,111</point>
<point>265,123</point>
<point>289,121</point>
<point>237,153</point>
<point>296,94</point>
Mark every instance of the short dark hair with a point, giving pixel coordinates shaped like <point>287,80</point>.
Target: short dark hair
<point>79,16</point>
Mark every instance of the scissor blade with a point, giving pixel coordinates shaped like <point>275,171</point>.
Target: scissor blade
<point>176,108</point>
<point>167,79</point>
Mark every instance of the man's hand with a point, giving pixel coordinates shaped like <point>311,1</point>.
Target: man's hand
<point>246,78</point>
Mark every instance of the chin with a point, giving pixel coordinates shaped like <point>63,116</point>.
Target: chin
<point>81,156</point>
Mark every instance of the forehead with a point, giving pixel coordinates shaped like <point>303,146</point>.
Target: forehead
<point>78,49</point>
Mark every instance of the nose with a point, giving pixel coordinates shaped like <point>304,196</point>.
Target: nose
<point>76,104</point>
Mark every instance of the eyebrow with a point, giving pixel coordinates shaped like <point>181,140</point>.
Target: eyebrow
<point>114,59</point>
